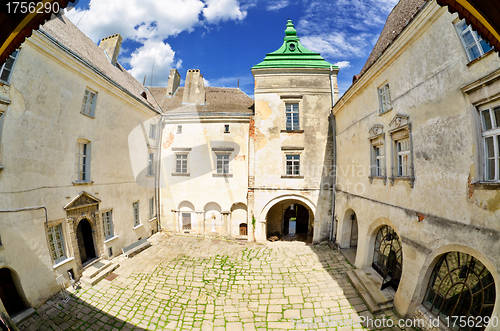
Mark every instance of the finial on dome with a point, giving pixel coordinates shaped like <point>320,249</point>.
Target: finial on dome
<point>290,30</point>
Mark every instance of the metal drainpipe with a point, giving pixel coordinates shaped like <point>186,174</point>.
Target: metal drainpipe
<point>333,233</point>
<point>158,163</point>
<point>26,209</point>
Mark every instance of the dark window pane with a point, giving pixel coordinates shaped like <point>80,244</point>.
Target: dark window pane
<point>485,46</point>
<point>496,112</point>
<point>486,119</point>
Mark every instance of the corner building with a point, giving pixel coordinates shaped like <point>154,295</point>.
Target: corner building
<point>291,143</point>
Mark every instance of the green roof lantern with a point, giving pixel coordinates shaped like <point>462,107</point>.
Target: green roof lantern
<point>292,54</point>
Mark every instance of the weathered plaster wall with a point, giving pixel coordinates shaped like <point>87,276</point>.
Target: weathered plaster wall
<point>426,67</point>
<point>39,142</point>
<point>310,88</point>
<point>202,190</point>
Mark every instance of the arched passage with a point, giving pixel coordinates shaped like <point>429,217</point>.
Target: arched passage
<point>290,219</point>
<point>186,210</point>
<point>388,256</point>
<point>11,292</point>
<point>460,285</point>
<point>349,236</point>
<point>239,222</point>
<point>85,240</point>
<point>213,217</point>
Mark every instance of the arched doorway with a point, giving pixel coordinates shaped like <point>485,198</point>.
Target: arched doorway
<point>388,256</point>
<point>349,239</point>
<point>460,285</point>
<point>290,220</point>
<point>11,293</point>
<point>85,241</point>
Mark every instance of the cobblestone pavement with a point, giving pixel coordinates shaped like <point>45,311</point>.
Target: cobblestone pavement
<point>188,283</point>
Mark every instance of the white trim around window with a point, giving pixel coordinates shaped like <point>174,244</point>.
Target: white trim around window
<point>89,102</point>
<point>490,135</point>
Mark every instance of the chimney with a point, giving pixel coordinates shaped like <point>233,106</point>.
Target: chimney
<point>194,88</point>
<point>111,45</point>
<point>174,80</point>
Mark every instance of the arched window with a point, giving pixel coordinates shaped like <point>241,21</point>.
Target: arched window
<point>388,256</point>
<point>460,285</point>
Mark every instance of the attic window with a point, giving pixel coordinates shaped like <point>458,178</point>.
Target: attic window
<point>179,129</point>
<point>226,128</point>
<point>143,94</point>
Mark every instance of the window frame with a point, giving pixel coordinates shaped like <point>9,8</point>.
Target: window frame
<point>494,134</point>
<point>403,157</point>
<point>227,160</point>
<point>152,130</point>
<point>401,131</point>
<point>151,163</point>
<point>476,40</point>
<point>176,169</point>
<point>111,233</point>
<point>51,233</point>
<point>136,214</point>
<point>84,166</point>
<point>294,163</point>
<point>85,102</point>
<point>293,126</point>
<point>179,129</point>
<point>384,92</point>
<point>152,213</point>
<point>15,56</point>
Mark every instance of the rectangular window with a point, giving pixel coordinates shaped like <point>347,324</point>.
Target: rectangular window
<point>490,124</point>
<point>135,207</point>
<point>384,96</point>
<point>181,163</point>
<point>83,161</point>
<point>88,104</point>
<point>107,221</point>
<point>151,162</point>
<point>293,165</point>
<point>222,163</point>
<point>474,45</point>
<point>226,128</point>
<point>179,129</point>
<point>6,69</point>
<point>151,208</point>
<point>56,243</point>
<point>292,116</point>
<point>379,159</point>
<point>403,155</point>
<point>152,131</point>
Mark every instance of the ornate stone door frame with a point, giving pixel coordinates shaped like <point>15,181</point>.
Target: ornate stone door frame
<point>84,206</point>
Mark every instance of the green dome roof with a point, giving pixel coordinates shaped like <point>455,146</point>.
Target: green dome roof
<point>292,54</point>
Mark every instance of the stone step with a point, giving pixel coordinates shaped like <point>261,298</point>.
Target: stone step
<point>96,267</point>
<point>365,295</point>
<point>372,281</point>
<point>101,275</point>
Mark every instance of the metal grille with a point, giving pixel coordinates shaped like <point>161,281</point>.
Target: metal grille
<point>460,285</point>
<point>388,255</point>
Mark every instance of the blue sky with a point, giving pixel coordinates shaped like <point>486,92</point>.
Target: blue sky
<point>225,38</point>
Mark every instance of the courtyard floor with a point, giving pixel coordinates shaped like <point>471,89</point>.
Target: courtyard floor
<point>189,283</point>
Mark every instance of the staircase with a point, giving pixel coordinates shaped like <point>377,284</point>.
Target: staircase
<point>367,283</point>
<point>95,272</point>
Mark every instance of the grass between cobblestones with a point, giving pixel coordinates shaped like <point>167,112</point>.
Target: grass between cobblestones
<point>187,283</point>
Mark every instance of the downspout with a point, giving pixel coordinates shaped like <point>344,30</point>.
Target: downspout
<point>26,209</point>
<point>333,233</point>
<point>158,164</point>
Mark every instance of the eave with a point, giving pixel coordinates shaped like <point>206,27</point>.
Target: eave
<point>15,28</point>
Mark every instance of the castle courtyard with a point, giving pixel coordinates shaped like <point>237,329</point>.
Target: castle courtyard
<point>190,283</point>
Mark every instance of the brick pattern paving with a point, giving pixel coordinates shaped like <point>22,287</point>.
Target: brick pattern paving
<point>188,283</point>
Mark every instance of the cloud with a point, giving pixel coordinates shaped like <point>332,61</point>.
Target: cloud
<point>351,31</point>
<point>337,44</point>
<point>152,52</point>
<point>343,64</point>
<point>223,10</point>
<point>206,82</point>
<point>278,4</point>
<point>137,20</point>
